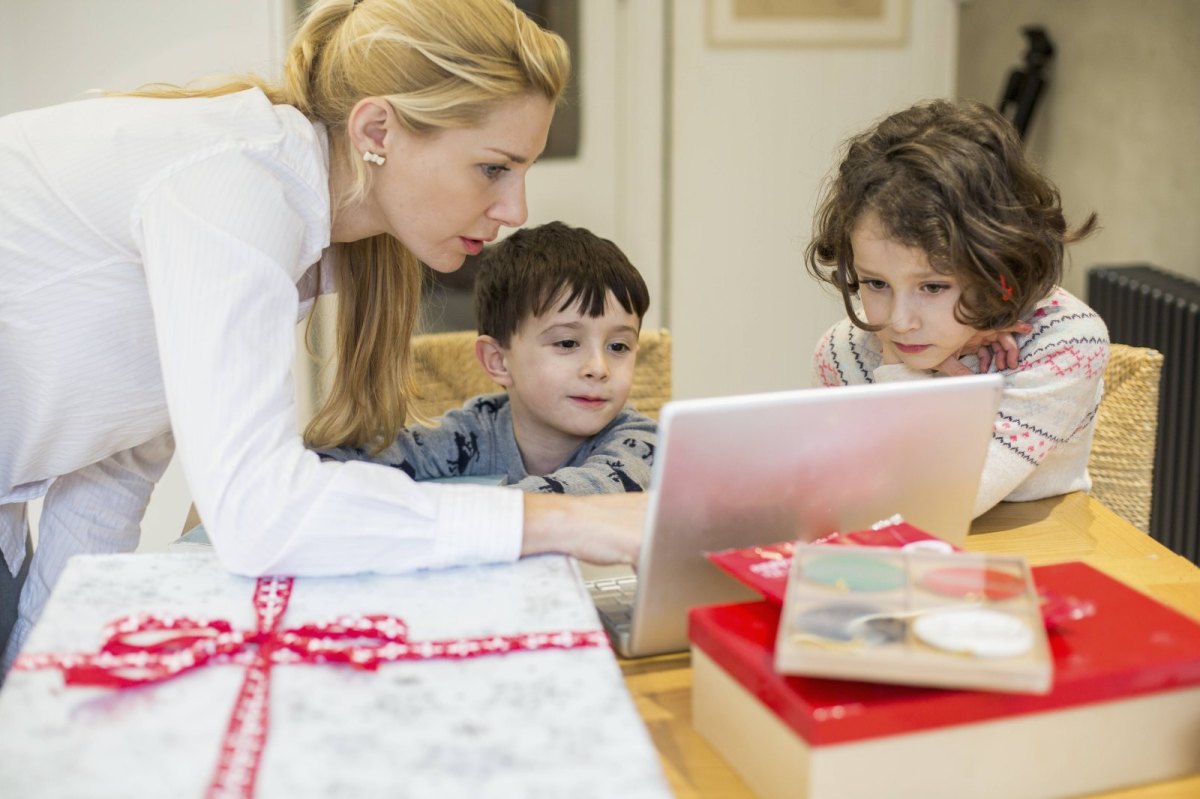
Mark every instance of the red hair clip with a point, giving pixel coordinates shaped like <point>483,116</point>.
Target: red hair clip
<point>1005,290</point>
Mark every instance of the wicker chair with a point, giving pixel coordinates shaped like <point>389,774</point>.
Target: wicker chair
<point>1122,459</point>
<point>447,374</point>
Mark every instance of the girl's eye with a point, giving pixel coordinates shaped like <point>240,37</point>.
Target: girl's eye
<point>936,288</point>
<point>493,171</point>
<point>875,285</point>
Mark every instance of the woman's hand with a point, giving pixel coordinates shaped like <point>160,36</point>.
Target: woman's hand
<point>604,529</point>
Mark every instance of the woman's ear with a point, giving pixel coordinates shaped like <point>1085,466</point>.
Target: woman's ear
<point>491,357</point>
<point>368,125</point>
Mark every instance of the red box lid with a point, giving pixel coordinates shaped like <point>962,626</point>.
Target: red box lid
<point>1132,645</point>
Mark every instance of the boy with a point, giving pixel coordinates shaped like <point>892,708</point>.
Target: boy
<point>559,311</point>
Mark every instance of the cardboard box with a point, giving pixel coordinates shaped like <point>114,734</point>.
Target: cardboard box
<point>1124,710</point>
<point>552,722</point>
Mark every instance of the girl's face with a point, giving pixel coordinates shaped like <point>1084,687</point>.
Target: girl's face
<point>445,194</point>
<point>901,291</point>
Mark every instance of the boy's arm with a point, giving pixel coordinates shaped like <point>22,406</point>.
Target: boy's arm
<point>616,460</point>
<point>455,448</point>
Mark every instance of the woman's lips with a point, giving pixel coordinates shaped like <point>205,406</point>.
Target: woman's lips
<point>472,246</point>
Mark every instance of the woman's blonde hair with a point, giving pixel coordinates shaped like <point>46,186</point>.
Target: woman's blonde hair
<point>440,64</point>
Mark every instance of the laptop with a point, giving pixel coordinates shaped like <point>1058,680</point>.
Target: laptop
<point>792,465</point>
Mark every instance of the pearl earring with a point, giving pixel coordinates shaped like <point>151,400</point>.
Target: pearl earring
<point>374,158</point>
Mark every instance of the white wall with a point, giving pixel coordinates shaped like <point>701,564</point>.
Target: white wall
<point>614,187</point>
<point>1117,126</point>
<point>54,51</point>
<point>753,132</point>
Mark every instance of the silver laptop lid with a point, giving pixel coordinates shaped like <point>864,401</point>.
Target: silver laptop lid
<point>757,469</point>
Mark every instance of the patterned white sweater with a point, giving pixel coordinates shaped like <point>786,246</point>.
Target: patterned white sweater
<point>1043,431</point>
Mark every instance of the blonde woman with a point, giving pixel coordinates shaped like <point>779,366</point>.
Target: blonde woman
<point>159,246</point>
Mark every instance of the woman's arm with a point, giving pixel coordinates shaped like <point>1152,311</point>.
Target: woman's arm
<point>223,242</point>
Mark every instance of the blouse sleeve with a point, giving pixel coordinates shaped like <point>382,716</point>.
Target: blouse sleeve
<point>223,242</point>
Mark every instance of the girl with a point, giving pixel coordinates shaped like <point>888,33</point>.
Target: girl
<point>952,243</point>
<point>159,246</point>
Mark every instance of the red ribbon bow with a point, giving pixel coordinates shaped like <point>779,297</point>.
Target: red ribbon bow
<point>147,648</point>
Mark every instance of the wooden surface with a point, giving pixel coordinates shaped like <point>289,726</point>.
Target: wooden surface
<point>1071,527</point>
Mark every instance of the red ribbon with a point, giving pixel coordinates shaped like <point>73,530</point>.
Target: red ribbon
<point>148,648</point>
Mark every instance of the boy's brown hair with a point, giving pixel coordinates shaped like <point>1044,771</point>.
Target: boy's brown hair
<point>536,268</point>
<point>952,180</point>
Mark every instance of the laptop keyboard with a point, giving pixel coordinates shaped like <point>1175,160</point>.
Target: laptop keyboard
<point>614,599</point>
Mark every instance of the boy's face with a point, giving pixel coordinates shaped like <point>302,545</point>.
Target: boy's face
<point>570,374</point>
<point>902,292</point>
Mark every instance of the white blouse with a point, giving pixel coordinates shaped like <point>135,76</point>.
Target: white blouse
<point>150,252</point>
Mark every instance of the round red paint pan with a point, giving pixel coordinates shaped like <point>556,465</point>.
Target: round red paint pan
<point>966,582</point>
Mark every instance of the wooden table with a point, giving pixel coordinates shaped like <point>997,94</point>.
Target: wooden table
<point>1070,527</point>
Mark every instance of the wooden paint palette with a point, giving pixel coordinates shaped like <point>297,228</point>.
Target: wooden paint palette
<point>914,617</point>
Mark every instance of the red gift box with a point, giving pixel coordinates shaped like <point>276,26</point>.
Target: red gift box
<point>1124,709</point>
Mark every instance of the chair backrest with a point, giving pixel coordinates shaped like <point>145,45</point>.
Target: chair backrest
<point>1122,459</point>
<point>448,375</point>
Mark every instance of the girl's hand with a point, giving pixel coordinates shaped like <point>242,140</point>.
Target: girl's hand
<point>1000,345</point>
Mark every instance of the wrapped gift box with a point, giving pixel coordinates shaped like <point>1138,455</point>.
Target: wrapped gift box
<point>552,722</point>
<point>1124,709</point>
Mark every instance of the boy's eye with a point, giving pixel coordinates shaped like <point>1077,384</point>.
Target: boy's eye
<point>493,171</point>
<point>620,346</point>
<point>567,344</point>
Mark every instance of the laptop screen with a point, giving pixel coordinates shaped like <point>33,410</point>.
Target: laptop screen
<point>796,465</point>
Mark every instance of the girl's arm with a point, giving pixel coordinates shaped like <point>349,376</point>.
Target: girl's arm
<point>1042,434</point>
<point>845,356</point>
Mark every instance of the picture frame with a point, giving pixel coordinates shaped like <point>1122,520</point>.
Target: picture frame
<point>808,23</point>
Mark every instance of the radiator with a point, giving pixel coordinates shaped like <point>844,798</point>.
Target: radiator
<point>1147,307</point>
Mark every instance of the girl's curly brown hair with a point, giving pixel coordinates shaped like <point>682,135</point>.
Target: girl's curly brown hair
<point>951,179</point>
